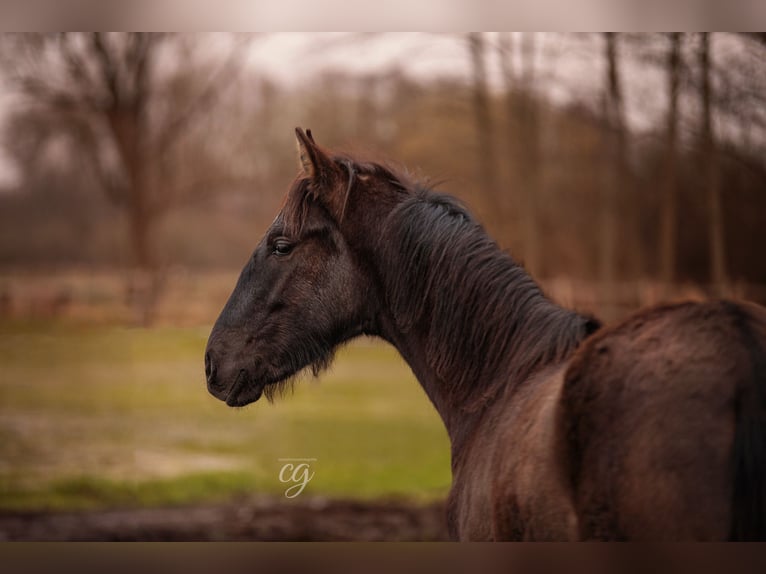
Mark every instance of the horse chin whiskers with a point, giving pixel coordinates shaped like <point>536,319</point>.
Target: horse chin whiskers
<point>279,389</point>
<point>284,384</point>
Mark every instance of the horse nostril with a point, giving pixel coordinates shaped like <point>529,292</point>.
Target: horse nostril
<point>209,367</point>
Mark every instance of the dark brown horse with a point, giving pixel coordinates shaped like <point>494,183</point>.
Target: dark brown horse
<point>654,428</point>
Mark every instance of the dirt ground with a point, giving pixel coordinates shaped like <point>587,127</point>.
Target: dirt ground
<point>267,519</point>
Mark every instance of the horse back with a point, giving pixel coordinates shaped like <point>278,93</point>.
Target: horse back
<point>652,423</point>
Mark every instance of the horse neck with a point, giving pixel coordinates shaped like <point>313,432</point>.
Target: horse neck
<point>470,321</point>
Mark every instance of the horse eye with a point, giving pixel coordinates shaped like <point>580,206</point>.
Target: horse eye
<point>282,247</point>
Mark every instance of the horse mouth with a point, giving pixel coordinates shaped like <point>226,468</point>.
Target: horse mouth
<point>244,391</point>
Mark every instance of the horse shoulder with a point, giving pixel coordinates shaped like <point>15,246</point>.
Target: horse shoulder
<point>511,474</point>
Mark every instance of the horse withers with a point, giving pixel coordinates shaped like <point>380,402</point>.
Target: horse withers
<point>653,428</point>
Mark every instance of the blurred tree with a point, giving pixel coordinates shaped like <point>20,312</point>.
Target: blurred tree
<point>615,150</point>
<point>527,139</point>
<point>668,204</point>
<point>710,160</point>
<point>117,92</point>
<point>487,155</point>
<point>523,140</point>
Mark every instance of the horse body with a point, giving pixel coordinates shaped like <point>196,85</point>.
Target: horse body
<point>630,438</point>
<point>654,428</point>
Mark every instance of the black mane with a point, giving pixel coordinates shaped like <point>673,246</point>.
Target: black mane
<point>487,321</point>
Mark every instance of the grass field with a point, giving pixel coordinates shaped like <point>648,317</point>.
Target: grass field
<point>103,416</point>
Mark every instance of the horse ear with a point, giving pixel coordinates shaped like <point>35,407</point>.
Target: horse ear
<point>321,169</point>
<point>314,163</point>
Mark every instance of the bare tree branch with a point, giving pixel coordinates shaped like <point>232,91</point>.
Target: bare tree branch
<point>76,65</point>
<point>108,67</point>
<point>206,97</point>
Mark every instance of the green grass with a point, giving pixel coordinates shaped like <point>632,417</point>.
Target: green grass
<point>93,417</point>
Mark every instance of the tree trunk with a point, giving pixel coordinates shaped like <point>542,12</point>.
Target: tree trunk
<point>144,281</point>
<point>614,148</point>
<point>486,159</point>
<point>523,132</point>
<point>668,204</point>
<point>710,160</point>
<point>529,137</point>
